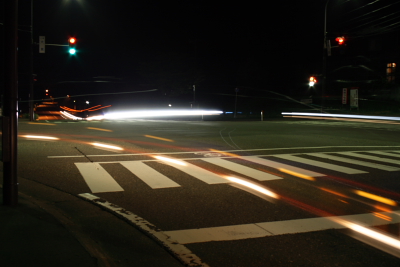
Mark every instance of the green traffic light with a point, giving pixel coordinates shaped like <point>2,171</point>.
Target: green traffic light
<point>72,51</point>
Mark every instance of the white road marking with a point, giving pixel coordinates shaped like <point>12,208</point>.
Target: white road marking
<point>355,162</point>
<point>257,230</point>
<point>199,173</point>
<point>237,150</point>
<point>179,251</point>
<point>278,165</point>
<point>393,161</point>
<point>256,174</point>
<point>97,178</point>
<point>385,154</point>
<point>151,177</point>
<point>320,164</point>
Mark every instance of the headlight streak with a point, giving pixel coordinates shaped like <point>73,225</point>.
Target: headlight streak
<point>170,160</point>
<point>341,116</point>
<point>225,153</point>
<point>159,138</point>
<point>159,113</point>
<point>99,129</point>
<point>393,242</point>
<point>40,137</point>
<point>306,177</point>
<point>333,192</point>
<point>41,123</point>
<point>253,186</point>
<point>70,116</point>
<point>376,198</point>
<point>382,216</point>
<point>107,146</point>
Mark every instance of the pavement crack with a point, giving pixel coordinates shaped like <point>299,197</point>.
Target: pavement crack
<point>83,154</point>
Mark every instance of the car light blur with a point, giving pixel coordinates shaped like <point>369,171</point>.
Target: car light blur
<point>159,113</point>
<point>107,146</point>
<point>376,198</point>
<point>253,186</point>
<point>40,137</point>
<point>171,160</point>
<point>294,114</point>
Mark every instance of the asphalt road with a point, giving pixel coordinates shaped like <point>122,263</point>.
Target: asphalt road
<point>311,175</point>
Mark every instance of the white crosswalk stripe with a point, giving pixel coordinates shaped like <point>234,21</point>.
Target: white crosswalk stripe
<point>385,154</point>
<point>320,164</point>
<point>371,157</point>
<point>277,165</point>
<point>151,177</point>
<point>258,175</point>
<point>99,180</point>
<point>355,162</point>
<point>199,173</point>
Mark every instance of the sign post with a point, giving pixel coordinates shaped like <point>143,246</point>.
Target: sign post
<point>353,98</point>
<point>42,44</point>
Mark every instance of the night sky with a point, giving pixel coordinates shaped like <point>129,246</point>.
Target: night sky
<point>171,45</point>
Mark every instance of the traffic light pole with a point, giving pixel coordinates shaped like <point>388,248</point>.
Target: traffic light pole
<point>31,79</point>
<point>324,59</point>
<point>10,104</point>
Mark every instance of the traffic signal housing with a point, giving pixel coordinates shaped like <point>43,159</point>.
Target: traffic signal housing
<point>340,40</point>
<point>312,81</point>
<point>72,45</point>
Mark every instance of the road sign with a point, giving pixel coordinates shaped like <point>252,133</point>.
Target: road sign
<point>42,44</point>
<point>344,96</point>
<point>354,98</point>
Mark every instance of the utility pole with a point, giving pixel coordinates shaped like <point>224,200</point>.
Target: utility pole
<point>31,76</point>
<point>10,104</point>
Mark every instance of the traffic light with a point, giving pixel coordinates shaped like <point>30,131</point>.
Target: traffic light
<point>313,81</point>
<point>340,40</point>
<point>72,44</point>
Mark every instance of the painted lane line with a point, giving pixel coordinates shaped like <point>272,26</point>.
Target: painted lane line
<point>278,165</point>
<point>320,164</point>
<point>256,174</point>
<point>363,156</point>
<point>179,251</point>
<point>97,178</point>
<point>151,177</point>
<point>355,162</point>
<point>264,229</point>
<point>385,154</point>
<point>199,173</point>
<point>241,150</point>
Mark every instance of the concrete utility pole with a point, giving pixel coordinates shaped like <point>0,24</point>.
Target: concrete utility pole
<point>10,105</point>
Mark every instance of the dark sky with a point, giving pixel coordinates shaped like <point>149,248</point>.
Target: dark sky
<point>216,45</point>
<point>232,44</point>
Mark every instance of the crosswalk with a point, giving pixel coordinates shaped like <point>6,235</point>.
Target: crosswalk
<point>360,162</point>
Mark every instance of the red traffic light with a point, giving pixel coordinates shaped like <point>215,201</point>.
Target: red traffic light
<point>340,40</point>
<point>72,40</point>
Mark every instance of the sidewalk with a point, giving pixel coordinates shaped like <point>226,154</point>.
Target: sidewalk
<point>60,229</point>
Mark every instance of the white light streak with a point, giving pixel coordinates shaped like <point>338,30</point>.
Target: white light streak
<point>341,116</point>
<point>393,242</point>
<point>107,146</point>
<point>70,116</point>
<point>40,137</point>
<point>170,160</point>
<point>253,186</point>
<point>159,113</point>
